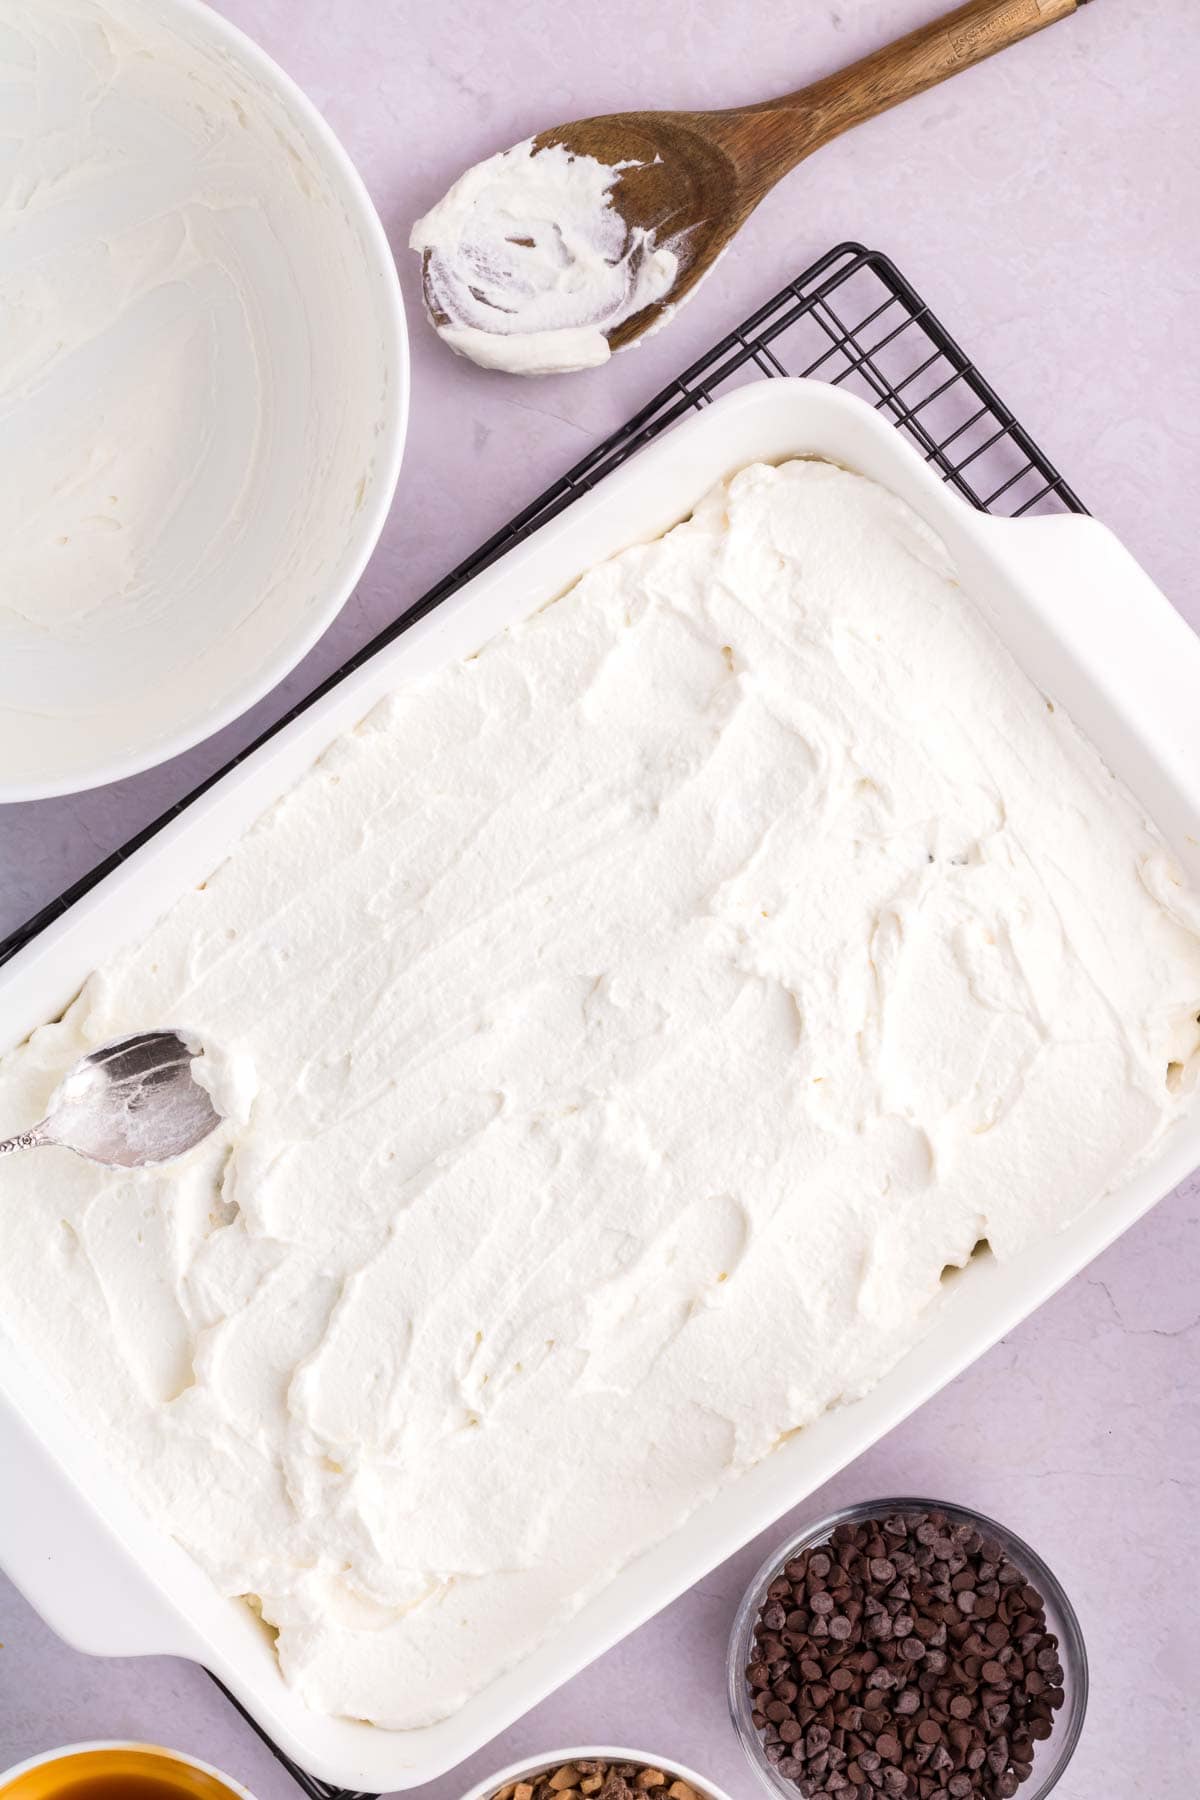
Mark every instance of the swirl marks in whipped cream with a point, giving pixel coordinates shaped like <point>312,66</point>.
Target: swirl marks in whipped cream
<point>644,1011</point>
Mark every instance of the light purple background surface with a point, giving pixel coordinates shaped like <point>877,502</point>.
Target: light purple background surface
<point>1046,204</point>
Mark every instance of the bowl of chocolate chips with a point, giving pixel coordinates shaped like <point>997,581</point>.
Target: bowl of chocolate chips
<point>911,1650</point>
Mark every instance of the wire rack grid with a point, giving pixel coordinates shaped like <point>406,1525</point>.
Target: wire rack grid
<point>894,352</point>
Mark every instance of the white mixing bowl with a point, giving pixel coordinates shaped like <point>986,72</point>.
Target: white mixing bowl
<point>203,383</point>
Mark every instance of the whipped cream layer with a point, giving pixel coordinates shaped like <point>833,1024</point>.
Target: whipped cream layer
<point>644,1013</point>
<point>528,263</point>
<point>191,388</point>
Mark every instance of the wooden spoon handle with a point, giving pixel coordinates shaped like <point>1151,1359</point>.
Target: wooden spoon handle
<point>926,56</point>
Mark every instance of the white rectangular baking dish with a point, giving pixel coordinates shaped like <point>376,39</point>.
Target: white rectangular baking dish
<point>1087,625</point>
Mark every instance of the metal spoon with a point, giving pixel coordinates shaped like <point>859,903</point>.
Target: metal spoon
<point>692,179</point>
<point>131,1103</point>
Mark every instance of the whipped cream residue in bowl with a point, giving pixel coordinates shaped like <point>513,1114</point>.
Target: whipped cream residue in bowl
<point>202,383</point>
<point>528,263</point>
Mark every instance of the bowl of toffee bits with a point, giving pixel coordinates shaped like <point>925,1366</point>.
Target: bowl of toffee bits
<point>911,1650</point>
<point>597,1772</point>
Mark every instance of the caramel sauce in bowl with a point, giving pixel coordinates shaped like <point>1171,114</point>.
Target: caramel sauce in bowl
<point>117,1771</point>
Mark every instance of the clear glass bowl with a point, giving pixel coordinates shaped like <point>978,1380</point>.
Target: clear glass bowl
<point>1051,1756</point>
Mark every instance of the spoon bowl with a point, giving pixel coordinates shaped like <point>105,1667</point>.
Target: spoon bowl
<point>679,183</point>
<point>131,1103</point>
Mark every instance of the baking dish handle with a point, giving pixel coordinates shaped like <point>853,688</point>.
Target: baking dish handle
<point>1109,645</point>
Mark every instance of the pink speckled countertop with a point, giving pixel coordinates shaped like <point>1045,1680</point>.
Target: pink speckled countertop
<point>1046,205</point>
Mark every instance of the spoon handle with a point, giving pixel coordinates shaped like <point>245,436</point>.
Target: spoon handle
<point>909,66</point>
<point>25,1140</point>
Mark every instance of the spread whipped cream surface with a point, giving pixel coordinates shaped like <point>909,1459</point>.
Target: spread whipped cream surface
<point>644,1013</point>
<point>189,373</point>
<point>528,264</point>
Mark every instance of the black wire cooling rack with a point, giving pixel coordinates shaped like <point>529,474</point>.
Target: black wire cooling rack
<point>851,319</point>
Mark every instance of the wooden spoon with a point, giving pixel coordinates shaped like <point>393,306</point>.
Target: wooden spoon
<point>701,174</point>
